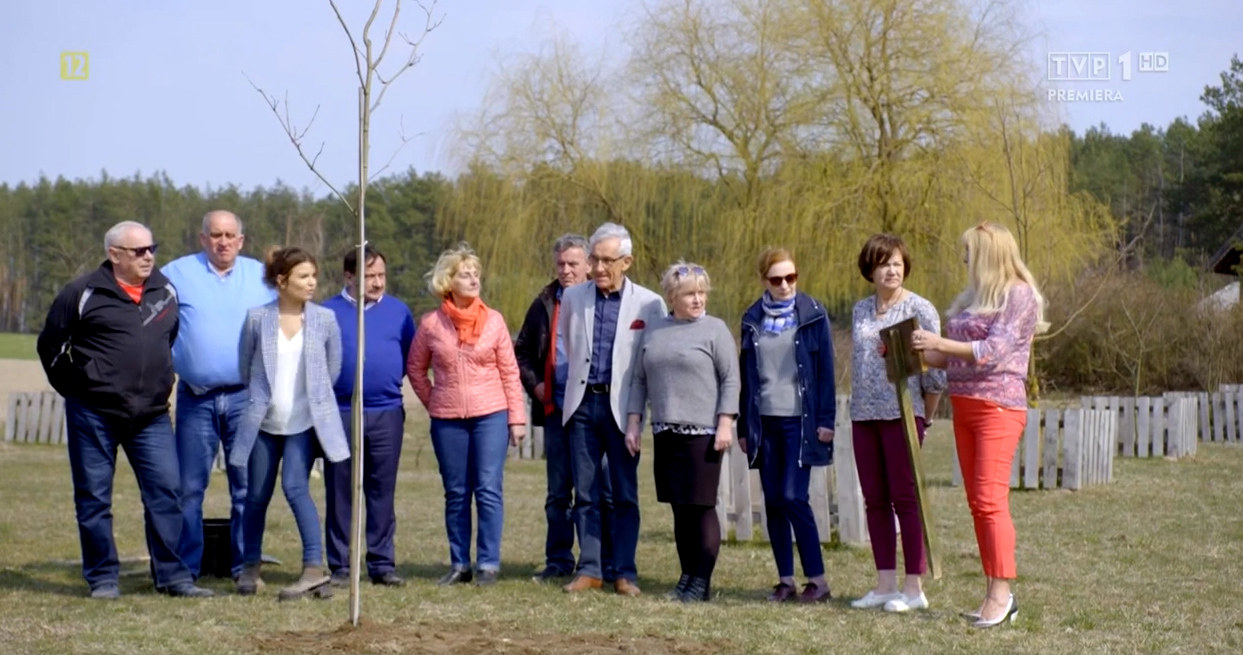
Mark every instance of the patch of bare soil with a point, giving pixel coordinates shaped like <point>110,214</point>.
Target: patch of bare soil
<point>455,639</point>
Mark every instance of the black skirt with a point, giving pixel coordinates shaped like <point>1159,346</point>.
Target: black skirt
<point>687,468</point>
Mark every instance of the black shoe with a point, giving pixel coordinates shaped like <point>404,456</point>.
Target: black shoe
<point>698,590</point>
<point>486,577</point>
<point>340,579</point>
<point>106,591</point>
<point>388,579</point>
<point>680,588</point>
<point>549,574</point>
<point>188,590</point>
<point>456,575</point>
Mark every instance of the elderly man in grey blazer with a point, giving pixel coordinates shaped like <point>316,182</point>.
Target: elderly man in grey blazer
<point>601,322</point>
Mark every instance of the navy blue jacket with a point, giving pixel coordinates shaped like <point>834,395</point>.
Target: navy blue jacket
<point>813,345</point>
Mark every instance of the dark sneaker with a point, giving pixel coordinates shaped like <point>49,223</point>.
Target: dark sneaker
<point>388,579</point>
<point>549,574</point>
<point>456,575</point>
<point>340,579</point>
<point>486,577</point>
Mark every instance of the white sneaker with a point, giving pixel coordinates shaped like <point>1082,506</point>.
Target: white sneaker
<point>872,600</point>
<point>907,603</point>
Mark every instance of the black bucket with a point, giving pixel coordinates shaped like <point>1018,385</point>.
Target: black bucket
<point>217,549</point>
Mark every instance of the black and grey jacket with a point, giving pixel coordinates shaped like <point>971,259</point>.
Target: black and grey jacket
<point>102,349</point>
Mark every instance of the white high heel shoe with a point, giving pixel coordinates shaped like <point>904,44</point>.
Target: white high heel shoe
<point>1006,617</point>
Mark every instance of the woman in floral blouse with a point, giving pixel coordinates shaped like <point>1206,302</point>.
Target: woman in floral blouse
<point>986,353</point>
<point>885,472</point>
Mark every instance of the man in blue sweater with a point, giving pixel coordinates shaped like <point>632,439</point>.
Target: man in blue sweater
<point>389,332</point>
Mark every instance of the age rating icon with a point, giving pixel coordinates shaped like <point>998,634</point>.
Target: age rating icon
<point>75,66</point>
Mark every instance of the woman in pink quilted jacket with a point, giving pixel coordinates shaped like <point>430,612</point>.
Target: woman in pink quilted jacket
<point>476,405</point>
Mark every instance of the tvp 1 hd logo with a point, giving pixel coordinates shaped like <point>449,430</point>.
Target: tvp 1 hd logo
<point>1100,68</point>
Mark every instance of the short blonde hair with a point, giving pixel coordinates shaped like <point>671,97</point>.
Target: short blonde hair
<point>679,274</point>
<point>439,279</point>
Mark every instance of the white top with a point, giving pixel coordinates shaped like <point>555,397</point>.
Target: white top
<point>290,411</point>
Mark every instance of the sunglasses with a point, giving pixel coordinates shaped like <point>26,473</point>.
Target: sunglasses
<point>683,271</point>
<point>140,251</point>
<point>789,279</point>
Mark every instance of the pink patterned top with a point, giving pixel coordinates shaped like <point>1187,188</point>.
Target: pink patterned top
<point>1002,346</point>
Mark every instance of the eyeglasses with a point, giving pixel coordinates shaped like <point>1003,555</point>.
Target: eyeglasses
<point>140,251</point>
<point>789,279</point>
<point>606,262</point>
<point>683,271</point>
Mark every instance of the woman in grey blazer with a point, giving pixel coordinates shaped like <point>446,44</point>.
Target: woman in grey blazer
<point>290,354</point>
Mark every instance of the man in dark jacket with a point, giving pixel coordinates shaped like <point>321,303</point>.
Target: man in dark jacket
<point>106,346</point>
<point>542,367</point>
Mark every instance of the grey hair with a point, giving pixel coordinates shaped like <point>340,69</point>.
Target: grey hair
<point>207,220</point>
<point>613,231</point>
<point>567,241</point>
<point>113,235</point>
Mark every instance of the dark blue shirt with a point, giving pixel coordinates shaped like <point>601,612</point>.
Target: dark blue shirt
<point>607,309</point>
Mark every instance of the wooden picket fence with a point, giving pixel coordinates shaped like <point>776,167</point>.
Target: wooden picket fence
<point>1171,425</point>
<point>36,417</point>
<point>1061,449</point>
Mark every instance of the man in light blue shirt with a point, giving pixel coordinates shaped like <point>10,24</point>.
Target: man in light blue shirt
<point>215,287</point>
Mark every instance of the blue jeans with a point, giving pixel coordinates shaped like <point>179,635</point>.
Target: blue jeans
<point>786,498</point>
<point>559,503</point>
<point>594,435</point>
<point>383,430</point>
<point>471,453</point>
<point>203,423</point>
<point>298,451</point>
<point>148,444</point>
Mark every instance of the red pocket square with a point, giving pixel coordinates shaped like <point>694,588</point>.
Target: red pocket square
<point>638,324</point>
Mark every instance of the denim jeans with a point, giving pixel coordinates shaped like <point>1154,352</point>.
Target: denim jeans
<point>203,423</point>
<point>593,435</point>
<point>787,501</point>
<point>148,444</point>
<point>298,452</point>
<point>382,438</point>
<point>471,453</point>
<point>559,503</point>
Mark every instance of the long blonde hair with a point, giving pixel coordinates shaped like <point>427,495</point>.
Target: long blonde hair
<point>993,267</point>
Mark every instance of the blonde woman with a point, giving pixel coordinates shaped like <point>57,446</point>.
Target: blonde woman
<point>985,353</point>
<point>475,401</point>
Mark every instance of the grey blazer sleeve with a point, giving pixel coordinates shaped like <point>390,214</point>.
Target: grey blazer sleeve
<point>728,379</point>
<point>332,345</point>
<point>246,345</point>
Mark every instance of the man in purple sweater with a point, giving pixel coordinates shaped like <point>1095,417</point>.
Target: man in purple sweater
<point>389,332</point>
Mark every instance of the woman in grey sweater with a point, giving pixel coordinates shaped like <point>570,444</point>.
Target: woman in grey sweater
<point>687,369</point>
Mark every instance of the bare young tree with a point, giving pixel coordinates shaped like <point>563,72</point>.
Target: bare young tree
<point>374,81</point>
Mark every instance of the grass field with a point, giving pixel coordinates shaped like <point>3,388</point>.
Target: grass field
<point>17,346</point>
<point>1145,565</point>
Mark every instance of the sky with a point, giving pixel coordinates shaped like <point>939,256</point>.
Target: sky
<point>168,82</point>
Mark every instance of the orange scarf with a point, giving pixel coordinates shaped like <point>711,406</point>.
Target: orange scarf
<point>469,322</point>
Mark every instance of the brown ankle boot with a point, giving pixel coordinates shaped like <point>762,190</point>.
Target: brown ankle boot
<point>248,581</point>
<point>314,581</point>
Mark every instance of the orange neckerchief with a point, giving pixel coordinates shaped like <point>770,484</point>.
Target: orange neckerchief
<point>469,322</point>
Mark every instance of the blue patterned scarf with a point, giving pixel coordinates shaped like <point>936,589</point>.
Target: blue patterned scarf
<point>778,316</point>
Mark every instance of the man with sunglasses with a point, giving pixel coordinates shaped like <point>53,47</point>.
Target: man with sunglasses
<point>106,347</point>
<point>602,324</point>
<point>215,287</point>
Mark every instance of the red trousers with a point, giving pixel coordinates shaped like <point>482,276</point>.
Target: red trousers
<point>987,435</point>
